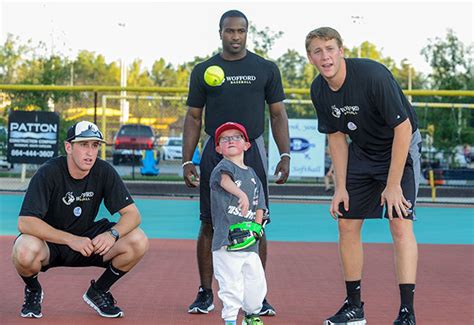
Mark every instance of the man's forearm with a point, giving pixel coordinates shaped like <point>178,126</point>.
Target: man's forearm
<point>279,121</point>
<point>191,135</point>
<point>401,145</point>
<point>340,155</point>
<point>38,228</point>
<point>129,220</point>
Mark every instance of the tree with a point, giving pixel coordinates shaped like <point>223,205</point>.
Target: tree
<point>452,69</point>
<point>12,55</point>
<point>263,40</point>
<point>451,61</point>
<point>295,74</point>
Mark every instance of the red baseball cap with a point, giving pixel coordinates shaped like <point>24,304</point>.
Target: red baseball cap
<point>230,126</point>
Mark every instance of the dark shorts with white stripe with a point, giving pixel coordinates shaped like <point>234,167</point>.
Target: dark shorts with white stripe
<point>63,255</point>
<point>366,179</point>
<point>255,157</point>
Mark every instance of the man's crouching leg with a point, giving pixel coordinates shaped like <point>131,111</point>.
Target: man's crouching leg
<point>29,254</point>
<point>123,256</point>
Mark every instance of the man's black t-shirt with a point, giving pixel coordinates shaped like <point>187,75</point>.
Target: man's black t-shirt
<point>70,204</point>
<point>368,106</point>
<point>249,82</point>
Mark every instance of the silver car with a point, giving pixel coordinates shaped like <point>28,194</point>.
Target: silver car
<point>172,149</point>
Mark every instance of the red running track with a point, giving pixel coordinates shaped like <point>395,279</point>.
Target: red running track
<point>304,279</point>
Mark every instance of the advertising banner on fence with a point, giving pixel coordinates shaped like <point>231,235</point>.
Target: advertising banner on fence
<point>307,149</point>
<point>32,136</point>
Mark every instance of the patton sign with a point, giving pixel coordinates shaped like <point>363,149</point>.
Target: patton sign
<point>32,136</point>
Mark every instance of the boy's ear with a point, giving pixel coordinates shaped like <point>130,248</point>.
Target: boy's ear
<point>218,150</point>
<point>247,146</point>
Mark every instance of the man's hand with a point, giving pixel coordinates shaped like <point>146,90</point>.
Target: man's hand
<point>103,243</point>
<point>82,245</point>
<point>340,195</point>
<point>282,170</point>
<point>190,175</point>
<point>392,195</point>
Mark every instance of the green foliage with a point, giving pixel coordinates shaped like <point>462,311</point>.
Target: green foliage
<point>28,63</point>
<point>452,69</point>
<point>263,40</point>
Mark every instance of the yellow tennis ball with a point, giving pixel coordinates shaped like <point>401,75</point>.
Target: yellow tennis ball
<point>214,76</point>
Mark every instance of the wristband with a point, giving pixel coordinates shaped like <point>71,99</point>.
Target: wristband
<point>285,154</point>
<point>189,162</point>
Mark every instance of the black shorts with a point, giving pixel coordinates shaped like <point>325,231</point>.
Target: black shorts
<point>366,180</point>
<point>63,255</point>
<point>255,157</point>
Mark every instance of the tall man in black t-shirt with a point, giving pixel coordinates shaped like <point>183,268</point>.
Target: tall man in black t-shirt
<point>249,82</point>
<point>58,227</point>
<point>381,166</point>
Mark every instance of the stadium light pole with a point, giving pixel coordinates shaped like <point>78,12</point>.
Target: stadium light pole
<point>124,106</point>
<point>409,80</point>
<point>358,21</point>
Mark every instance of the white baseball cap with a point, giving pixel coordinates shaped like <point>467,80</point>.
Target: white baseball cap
<point>84,131</point>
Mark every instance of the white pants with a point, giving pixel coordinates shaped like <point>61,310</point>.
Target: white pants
<point>241,280</point>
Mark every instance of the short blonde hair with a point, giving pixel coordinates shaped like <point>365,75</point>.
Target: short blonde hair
<point>325,33</point>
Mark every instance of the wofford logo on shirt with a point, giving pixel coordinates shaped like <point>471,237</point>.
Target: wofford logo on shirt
<point>236,80</point>
<point>69,198</point>
<point>336,111</point>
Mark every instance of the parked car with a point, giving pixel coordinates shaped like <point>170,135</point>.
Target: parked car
<point>3,148</point>
<point>130,140</point>
<point>172,149</point>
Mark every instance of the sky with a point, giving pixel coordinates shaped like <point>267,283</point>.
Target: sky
<point>178,31</point>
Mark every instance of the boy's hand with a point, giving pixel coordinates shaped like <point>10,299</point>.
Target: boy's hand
<point>243,204</point>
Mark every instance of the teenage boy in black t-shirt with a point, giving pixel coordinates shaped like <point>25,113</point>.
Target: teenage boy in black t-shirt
<point>58,227</point>
<point>249,82</point>
<point>361,99</point>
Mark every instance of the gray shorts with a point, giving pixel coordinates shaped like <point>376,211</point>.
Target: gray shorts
<point>366,180</point>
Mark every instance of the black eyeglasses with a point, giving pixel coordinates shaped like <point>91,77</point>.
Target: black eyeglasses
<point>231,138</point>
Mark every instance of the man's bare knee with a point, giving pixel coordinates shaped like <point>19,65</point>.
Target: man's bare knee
<point>28,252</point>
<point>349,228</point>
<point>138,242</point>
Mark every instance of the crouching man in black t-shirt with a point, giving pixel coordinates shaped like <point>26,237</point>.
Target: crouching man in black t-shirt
<point>58,227</point>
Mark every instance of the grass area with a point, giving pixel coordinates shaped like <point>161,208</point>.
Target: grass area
<point>16,175</point>
<point>177,178</point>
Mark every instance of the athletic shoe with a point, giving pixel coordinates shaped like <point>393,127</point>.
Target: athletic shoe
<point>252,320</point>
<point>405,317</point>
<point>348,314</point>
<point>102,302</point>
<point>32,305</point>
<point>267,309</point>
<point>203,303</point>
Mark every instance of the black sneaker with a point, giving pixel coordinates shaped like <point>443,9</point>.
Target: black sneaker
<point>32,305</point>
<point>102,302</point>
<point>203,303</point>
<point>348,314</point>
<point>267,309</point>
<point>405,317</point>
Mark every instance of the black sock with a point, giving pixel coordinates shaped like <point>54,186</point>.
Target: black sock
<point>32,282</point>
<point>108,278</point>
<point>407,294</point>
<point>353,292</point>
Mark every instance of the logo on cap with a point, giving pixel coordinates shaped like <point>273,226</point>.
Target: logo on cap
<point>84,131</point>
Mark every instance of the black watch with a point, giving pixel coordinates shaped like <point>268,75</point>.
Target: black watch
<point>114,233</point>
